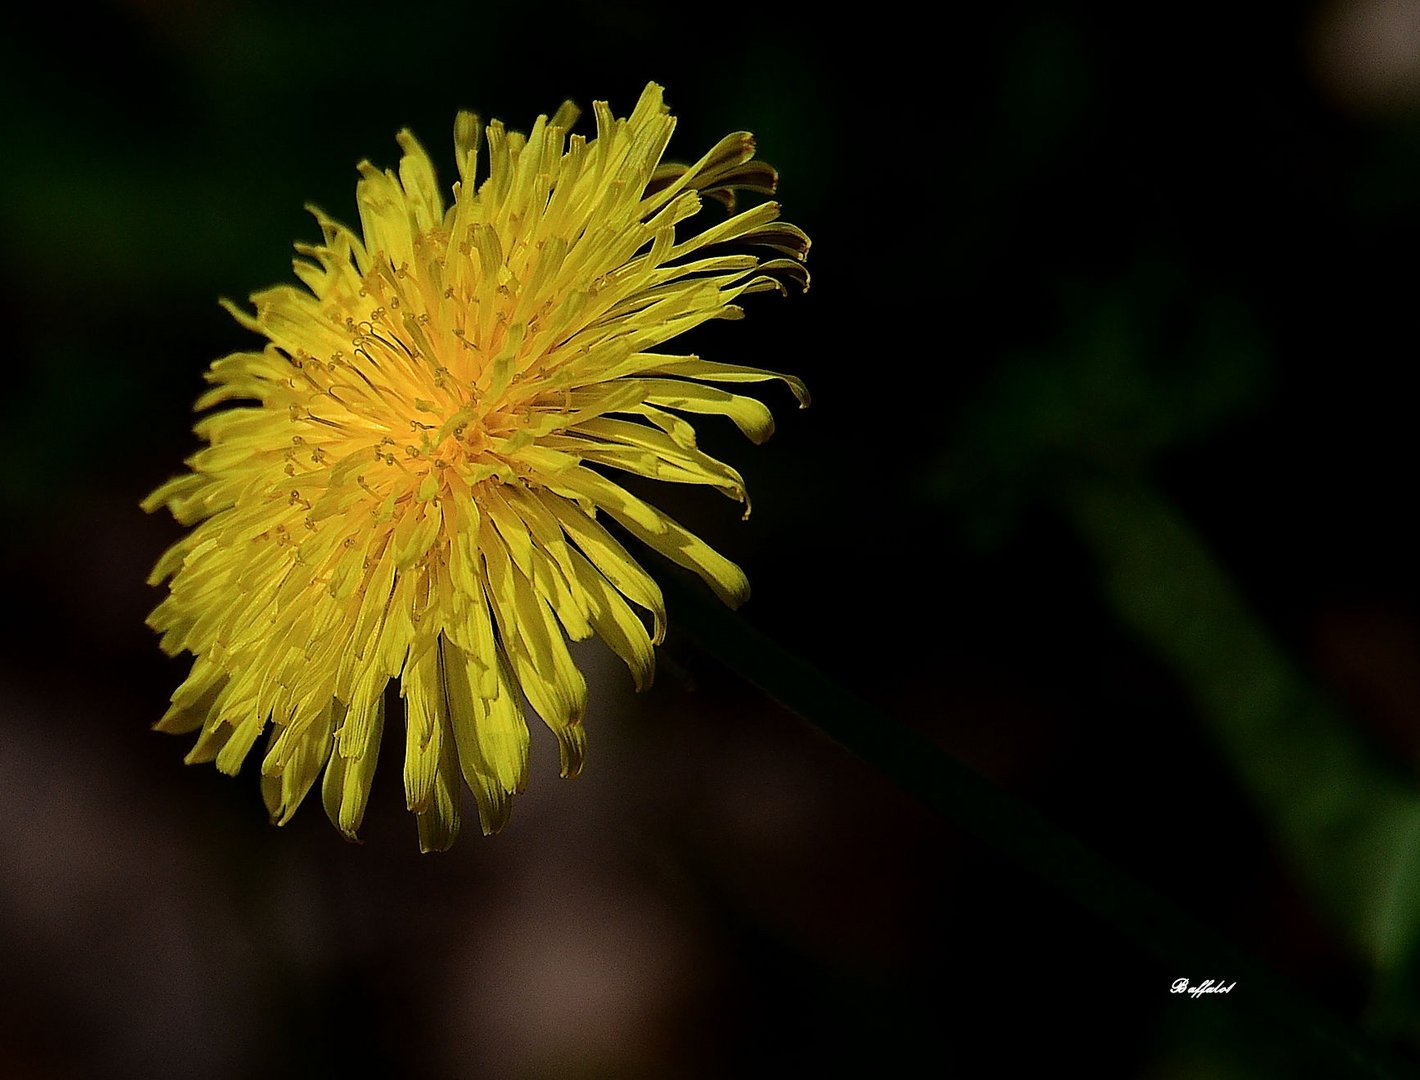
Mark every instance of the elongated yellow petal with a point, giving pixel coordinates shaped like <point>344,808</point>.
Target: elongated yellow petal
<point>491,737</point>
<point>611,559</point>
<point>617,625</point>
<point>667,536</point>
<point>439,817</point>
<point>425,722</point>
<point>345,791</point>
<point>295,770</point>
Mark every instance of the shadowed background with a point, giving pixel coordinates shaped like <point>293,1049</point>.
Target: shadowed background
<point>1106,488</point>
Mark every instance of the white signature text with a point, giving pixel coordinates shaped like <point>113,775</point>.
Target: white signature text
<point>1207,986</point>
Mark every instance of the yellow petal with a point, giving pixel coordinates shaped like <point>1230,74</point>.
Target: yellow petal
<point>345,791</point>
<point>491,737</point>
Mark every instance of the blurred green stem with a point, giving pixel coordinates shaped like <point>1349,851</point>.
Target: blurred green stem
<point>1015,830</point>
<point>1348,822</point>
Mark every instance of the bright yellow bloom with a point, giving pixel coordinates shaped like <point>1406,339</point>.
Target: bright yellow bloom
<point>414,492</point>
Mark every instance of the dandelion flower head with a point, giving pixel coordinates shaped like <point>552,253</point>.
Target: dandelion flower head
<point>412,476</point>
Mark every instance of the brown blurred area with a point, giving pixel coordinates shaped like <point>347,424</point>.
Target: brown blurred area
<point>155,924</point>
<point>1051,244</point>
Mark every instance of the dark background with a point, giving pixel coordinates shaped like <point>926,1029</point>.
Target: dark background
<point>1107,488</point>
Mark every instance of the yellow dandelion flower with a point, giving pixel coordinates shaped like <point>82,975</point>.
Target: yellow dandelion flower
<point>412,489</point>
